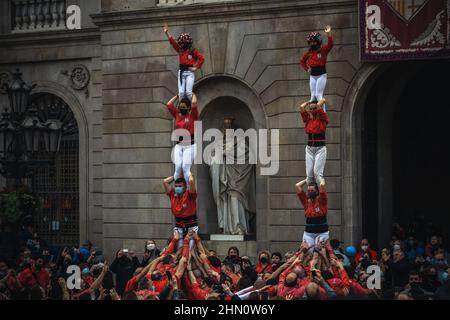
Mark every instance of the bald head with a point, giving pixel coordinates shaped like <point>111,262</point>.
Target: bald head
<point>312,291</point>
<point>291,279</point>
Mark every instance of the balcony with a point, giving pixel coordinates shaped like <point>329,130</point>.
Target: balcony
<point>37,15</point>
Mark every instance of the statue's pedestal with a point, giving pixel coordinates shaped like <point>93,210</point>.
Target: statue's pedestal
<point>222,242</point>
<point>226,237</point>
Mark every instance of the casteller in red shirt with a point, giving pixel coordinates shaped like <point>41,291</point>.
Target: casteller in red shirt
<point>189,57</point>
<point>184,121</point>
<point>183,206</point>
<point>312,59</point>
<point>316,122</point>
<point>314,208</point>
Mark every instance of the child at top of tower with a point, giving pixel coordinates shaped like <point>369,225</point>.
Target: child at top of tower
<point>314,62</point>
<point>190,60</point>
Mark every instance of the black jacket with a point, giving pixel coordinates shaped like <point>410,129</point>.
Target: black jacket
<point>124,269</point>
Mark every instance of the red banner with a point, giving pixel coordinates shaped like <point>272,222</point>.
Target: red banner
<point>404,29</point>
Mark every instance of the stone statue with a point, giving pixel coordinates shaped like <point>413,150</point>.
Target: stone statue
<point>233,186</point>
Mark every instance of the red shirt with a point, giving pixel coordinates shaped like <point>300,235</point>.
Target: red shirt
<point>317,124</point>
<point>43,277</point>
<point>184,122</point>
<point>27,278</point>
<point>199,293</point>
<point>183,206</point>
<point>372,254</point>
<point>299,290</point>
<point>132,284</point>
<point>260,269</point>
<point>317,58</point>
<point>316,208</point>
<point>191,57</point>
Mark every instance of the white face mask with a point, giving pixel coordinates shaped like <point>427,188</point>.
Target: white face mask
<point>364,248</point>
<point>151,246</point>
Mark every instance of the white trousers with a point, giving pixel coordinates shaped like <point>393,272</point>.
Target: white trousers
<point>183,158</point>
<point>182,235</point>
<point>185,84</point>
<point>317,86</point>
<point>315,238</point>
<point>315,159</point>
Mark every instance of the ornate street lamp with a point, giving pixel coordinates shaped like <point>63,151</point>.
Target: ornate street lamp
<point>7,133</point>
<point>32,129</point>
<point>52,135</point>
<point>18,93</point>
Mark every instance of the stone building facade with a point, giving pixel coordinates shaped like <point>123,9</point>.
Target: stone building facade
<point>252,49</point>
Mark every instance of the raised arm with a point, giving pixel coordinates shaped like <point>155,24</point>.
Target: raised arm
<point>167,181</point>
<point>192,188</point>
<point>171,106</point>
<point>96,284</point>
<point>303,106</point>
<point>329,44</point>
<point>184,258</point>
<point>172,41</point>
<point>300,185</point>
<point>322,186</point>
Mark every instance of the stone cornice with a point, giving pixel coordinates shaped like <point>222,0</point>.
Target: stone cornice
<point>50,37</point>
<point>217,10</point>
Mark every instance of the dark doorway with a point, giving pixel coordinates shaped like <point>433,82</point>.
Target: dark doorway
<point>405,159</point>
<point>421,158</point>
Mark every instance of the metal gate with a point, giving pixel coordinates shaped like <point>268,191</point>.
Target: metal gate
<point>58,185</point>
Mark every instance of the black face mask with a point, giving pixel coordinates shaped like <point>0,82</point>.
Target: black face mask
<point>184,112</point>
<point>263,260</point>
<point>315,47</point>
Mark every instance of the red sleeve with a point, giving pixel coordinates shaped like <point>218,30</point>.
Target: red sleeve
<point>194,111</point>
<point>305,116</point>
<point>359,290</point>
<point>323,294</point>
<point>172,109</point>
<point>185,252</point>
<point>198,293</point>
<point>304,60</point>
<point>193,195</point>
<point>23,276</point>
<point>344,278</point>
<point>327,48</point>
<point>170,248</point>
<point>200,58</point>
<point>323,199</point>
<point>170,194</point>
<point>358,257</point>
<point>131,284</point>
<point>322,115</point>
<point>174,44</point>
<point>303,199</point>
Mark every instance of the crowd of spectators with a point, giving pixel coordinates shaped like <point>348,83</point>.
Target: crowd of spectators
<point>413,266</point>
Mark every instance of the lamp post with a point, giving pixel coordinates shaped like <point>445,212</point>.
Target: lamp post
<point>24,133</point>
